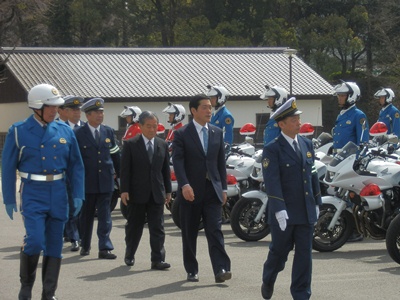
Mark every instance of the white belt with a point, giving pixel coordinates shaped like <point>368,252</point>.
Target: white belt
<point>36,177</point>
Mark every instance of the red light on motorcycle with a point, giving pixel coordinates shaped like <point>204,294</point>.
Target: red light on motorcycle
<point>306,129</point>
<point>230,179</point>
<point>379,128</point>
<point>247,129</point>
<point>370,190</point>
<point>173,176</point>
<point>160,128</point>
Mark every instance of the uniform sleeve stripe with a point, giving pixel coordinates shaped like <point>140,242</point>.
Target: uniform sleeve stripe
<point>114,150</point>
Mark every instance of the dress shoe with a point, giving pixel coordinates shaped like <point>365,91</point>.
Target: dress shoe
<point>74,246</point>
<point>222,276</point>
<point>161,265</point>
<point>267,290</point>
<point>106,254</point>
<point>192,277</point>
<point>129,261</point>
<point>84,252</point>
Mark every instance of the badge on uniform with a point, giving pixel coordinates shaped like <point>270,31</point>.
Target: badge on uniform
<point>397,115</point>
<point>228,121</point>
<point>63,141</point>
<point>265,163</point>
<point>275,124</point>
<point>217,122</point>
<point>309,154</point>
<point>108,140</point>
<point>348,122</point>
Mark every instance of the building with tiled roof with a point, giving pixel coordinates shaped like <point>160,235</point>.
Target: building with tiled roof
<point>152,77</point>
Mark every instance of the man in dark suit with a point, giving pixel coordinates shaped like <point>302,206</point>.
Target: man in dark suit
<point>199,164</point>
<point>291,182</point>
<point>72,109</point>
<point>101,157</point>
<point>145,187</point>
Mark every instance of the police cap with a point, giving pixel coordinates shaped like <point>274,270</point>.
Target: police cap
<point>93,104</point>
<point>287,109</point>
<point>73,101</point>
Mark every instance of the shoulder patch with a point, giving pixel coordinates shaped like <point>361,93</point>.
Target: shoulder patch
<point>228,121</point>
<point>265,163</point>
<point>397,115</point>
<point>362,120</point>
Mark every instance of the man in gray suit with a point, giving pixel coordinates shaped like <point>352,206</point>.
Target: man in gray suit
<point>145,187</point>
<point>199,163</point>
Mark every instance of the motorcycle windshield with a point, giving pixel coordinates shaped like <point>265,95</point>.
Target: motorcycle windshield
<point>324,138</point>
<point>349,149</point>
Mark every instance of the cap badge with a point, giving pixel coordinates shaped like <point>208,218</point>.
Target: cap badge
<point>76,101</point>
<point>54,91</point>
<point>98,103</point>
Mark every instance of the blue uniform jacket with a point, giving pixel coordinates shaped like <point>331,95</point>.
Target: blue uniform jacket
<point>391,117</point>
<point>271,131</point>
<point>101,161</point>
<point>291,184</point>
<point>28,148</point>
<point>348,127</point>
<point>224,120</point>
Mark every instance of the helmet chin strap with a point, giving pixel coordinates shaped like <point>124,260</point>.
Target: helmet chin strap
<point>40,116</point>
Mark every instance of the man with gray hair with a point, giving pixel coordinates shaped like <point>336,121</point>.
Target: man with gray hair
<point>145,187</point>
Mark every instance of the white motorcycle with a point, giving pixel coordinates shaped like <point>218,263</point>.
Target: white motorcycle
<point>367,198</point>
<point>248,216</point>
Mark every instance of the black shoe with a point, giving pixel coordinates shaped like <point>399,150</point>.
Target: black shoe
<point>222,276</point>
<point>129,261</point>
<point>192,277</point>
<point>267,290</point>
<point>162,265</point>
<point>84,252</point>
<point>106,254</point>
<point>355,237</point>
<point>74,246</point>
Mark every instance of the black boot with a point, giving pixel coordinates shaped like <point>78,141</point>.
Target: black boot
<point>27,274</point>
<point>50,271</point>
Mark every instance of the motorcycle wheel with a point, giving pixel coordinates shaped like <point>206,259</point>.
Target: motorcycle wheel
<point>176,215</point>
<point>325,240</point>
<point>242,220</point>
<point>393,239</point>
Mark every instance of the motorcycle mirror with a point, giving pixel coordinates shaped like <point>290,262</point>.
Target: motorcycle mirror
<point>392,139</point>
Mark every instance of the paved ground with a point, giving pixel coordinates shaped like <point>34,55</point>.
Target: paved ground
<point>360,270</point>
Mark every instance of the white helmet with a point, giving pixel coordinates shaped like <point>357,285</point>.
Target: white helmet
<point>279,93</point>
<point>44,94</point>
<point>351,89</point>
<point>220,92</point>
<point>177,109</point>
<point>387,93</point>
<point>133,111</point>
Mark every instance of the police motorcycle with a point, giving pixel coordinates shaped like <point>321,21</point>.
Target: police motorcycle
<point>367,198</point>
<point>248,216</point>
<point>240,160</point>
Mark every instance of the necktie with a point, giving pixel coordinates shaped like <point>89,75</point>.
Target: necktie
<point>205,139</point>
<point>296,148</point>
<point>150,151</point>
<point>97,136</point>
<point>76,126</point>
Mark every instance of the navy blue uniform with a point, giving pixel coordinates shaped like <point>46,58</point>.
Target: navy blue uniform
<point>348,127</point>
<point>292,185</point>
<point>39,153</point>
<point>101,163</point>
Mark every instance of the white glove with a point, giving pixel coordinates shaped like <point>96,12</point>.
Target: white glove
<point>282,216</point>
<point>317,211</point>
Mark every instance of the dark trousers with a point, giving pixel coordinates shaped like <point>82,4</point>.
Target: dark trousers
<point>71,228</point>
<point>299,237</point>
<point>134,228</point>
<point>104,225</point>
<point>210,209</point>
